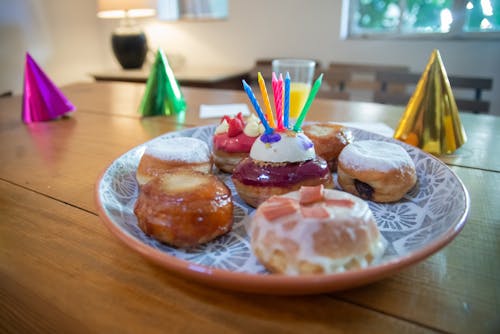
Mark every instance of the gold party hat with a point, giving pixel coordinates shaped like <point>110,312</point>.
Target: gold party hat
<point>431,119</point>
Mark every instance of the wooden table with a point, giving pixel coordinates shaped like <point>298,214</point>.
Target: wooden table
<point>62,271</point>
<point>206,77</point>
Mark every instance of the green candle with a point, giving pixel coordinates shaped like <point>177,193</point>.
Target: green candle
<point>307,105</point>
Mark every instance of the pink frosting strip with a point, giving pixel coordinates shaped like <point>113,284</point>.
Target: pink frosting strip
<point>238,144</point>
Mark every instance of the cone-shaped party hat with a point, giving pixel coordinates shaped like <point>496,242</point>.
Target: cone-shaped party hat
<point>42,100</point>
<point>163,95</point>
<point>431,119</point>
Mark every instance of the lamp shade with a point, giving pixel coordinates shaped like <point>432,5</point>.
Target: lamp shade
<point>125,8</point>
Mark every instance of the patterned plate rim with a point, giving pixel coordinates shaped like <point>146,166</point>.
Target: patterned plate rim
<point>275,284</point>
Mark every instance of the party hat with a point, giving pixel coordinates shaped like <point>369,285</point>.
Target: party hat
<point>431,119</point>
<point>42,100</point>
<point>163,95</point>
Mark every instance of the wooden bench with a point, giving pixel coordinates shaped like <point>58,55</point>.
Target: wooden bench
<point>386,95</point>
<point>358,81</point>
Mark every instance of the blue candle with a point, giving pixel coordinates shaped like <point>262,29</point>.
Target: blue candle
<point>256,106</point>
<point>286,112</point>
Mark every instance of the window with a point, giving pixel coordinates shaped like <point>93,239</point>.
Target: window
<point>417,18</point>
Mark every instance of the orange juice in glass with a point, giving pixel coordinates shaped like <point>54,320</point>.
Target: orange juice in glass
<point>301,74</point>
<point>299,91</point>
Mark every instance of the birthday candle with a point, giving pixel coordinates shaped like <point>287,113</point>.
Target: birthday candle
<point>307,105</point>
<point>286,112</point>
<point>278,100</point>
<point>256,106</point>
<point>265,98</point>
<point>280,89</point>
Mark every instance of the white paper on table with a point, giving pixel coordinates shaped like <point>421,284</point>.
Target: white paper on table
<point>219,110</point>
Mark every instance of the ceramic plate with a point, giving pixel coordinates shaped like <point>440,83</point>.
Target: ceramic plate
<point>420,224</point>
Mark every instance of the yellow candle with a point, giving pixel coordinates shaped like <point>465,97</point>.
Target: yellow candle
<point>265,98</point>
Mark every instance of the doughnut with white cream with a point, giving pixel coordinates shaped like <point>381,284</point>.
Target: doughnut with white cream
<point>279,163</point>
<point>233,139</point>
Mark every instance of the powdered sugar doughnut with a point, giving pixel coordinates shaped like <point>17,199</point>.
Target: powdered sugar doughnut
<point>376,170</point>
<point>315,231</point>
<point>167,154</point>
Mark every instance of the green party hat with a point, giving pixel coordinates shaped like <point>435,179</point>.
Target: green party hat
<point>163,95</point>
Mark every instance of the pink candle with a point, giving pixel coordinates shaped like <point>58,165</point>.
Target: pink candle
<point>278,100</point>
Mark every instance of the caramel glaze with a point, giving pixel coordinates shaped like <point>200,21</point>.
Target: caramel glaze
<point>259,173</point>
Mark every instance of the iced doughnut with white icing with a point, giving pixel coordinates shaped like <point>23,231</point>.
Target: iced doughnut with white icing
<point>315,231</point>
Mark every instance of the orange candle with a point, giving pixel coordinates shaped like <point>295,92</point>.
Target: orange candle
<point>265,98</point>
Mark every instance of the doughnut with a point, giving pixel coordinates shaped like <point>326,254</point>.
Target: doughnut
<point>233,139</point>
<point>329,139</point>
<point>277,164</point>
<point>314,231</point>
<point>167,154</point>
<point>184,208</point>
<point>376,170</point>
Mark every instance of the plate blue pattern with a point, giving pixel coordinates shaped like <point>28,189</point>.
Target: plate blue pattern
<point>436,207</point>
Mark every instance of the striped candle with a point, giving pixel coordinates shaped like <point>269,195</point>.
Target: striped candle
<point>278,100</point>
<point>265,99</point>
<point>256,106</point>
<point>286,105</point>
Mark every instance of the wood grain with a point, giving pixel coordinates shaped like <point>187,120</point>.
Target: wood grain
<point>456,289</point>
<point>63,159</point>
<point>63,264</point>
<point>480,150</point>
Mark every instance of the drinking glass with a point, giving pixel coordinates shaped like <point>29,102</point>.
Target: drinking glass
<point>301,75</point>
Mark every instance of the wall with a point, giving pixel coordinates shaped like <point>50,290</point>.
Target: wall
<point>68,41</point>
<point>64,37</point>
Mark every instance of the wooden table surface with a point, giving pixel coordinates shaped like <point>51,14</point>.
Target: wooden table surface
<point>207,77</point>
<point>62,271</point>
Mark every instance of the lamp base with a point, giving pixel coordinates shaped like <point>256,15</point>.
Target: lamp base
<point>130,49</point>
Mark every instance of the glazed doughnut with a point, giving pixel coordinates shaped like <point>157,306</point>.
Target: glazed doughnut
<point>376,170</point>
<point>278,165</point>
<point>184,208</point>
<point>233,139</point>
<point>329,139</point>
<point>167,154</point>
<point>315,231</point>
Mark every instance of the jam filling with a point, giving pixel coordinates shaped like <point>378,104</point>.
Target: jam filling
<point>365,191</point>
<point>258,173</point>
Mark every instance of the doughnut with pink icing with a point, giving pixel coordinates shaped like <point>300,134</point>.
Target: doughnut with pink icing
<point>376,170</point>
<point>233,139</point>
<point>315,231</point>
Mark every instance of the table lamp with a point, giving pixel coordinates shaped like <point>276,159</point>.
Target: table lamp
<point>128,40</point>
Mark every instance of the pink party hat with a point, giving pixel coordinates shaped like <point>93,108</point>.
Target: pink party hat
<point>42,100</point>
